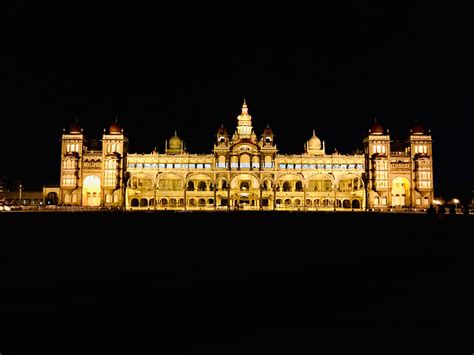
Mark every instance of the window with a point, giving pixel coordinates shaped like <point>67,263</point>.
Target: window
<point>192,166</point>
<point>161,166</point>
<point>282,166</point>
<point>290,166</point>
<point>169,166</point>
<point>245,165</point>
<point>268,165</point>
<point>207,166</point>
<point>305,166</point>
<point>255,165</point>
<point>359,166</point>
<point>147,166</point>
<point>376,201</point>
<point>178,166</point>
<point>221,165</point>
<point>234,165</point>
<point>297,166</point>
<point>199,166</point>
<point>327,166</point>
<point>384,200</point>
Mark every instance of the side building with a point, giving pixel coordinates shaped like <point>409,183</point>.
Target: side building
<point>246,172</point>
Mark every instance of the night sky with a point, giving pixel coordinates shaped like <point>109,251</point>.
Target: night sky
<point>330,67</point>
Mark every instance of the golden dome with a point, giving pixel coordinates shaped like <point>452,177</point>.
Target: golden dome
<point>314,142</point>
<point>174,142</point>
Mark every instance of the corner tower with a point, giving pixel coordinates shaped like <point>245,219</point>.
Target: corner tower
<point>72,142</point>
<point>377,163</point>
<point>114,156</point>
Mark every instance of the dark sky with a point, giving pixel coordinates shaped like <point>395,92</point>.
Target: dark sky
<point>330,67</point>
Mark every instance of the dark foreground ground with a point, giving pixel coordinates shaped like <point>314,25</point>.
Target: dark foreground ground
<point>230,282</point>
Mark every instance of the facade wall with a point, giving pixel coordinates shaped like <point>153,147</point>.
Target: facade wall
<point>246,172</point>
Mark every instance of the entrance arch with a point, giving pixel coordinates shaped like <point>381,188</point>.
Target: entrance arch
<point>91,191</point>
<point>400,192</point>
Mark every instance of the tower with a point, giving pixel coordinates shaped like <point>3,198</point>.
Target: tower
<point>244,126</point>
<point>114,157</point>
<point>377,163</point>
<point>72,142</point>
<point>421,154</point>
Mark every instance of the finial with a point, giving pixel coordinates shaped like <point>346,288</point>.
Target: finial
<point>314,133</point>
<point>116,119</point>
<point>175,133</point>
<point>245,103</point>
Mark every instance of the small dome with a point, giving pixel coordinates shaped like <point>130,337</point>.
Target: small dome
<point>314,142</point>
<point>417,128</point>
<point>267,131</point>
<point>174,142</point>
<point>115,128</point>
<point>75,128</point>
<point>222,131</point>
<point>376,128</point>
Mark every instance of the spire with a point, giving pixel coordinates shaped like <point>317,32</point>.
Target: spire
<point>245,108</point>
<point>314,133</point>
<point>175,133</point>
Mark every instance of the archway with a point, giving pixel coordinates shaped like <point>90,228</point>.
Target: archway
<point>52,198</point>
<point>91,191</point>
<point>400,192</point>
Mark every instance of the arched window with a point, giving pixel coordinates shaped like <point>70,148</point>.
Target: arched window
<point>164,202</point>
<point>287,186</point>
<point>134,202</point>
<point>190,185</point>
<point>299,186</point>
<point>143,202</point>
<point>202,202</point>
<point>108,198</point>
<point>202,186</point>
<point>67,198</point>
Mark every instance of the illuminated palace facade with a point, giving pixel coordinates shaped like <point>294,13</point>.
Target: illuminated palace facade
<point>247,172</point>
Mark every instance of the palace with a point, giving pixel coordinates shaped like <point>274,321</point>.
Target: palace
<point>245,171</point>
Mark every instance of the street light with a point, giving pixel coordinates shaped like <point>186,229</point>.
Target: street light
<point>21,186</point>
<point>456,201</point>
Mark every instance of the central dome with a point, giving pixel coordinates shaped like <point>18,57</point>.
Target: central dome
<point>174,142</point>
<point>314,142</point>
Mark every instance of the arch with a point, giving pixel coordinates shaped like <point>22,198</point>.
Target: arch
<point>91,191</point>
<point>173,202</point>
<point>143,202</point>
<point>134,202</point>
<point>210,201</point>
<point>350,183</point>
<point>287,186</point>
<point>116,197</point>
<point>201,202</point>
<point>254,180</point>
<point>297,202</point>
<point>67,198</point>
<point>192,202</point>
<point>108,198</point>
<point>287,202</point>
<point>151,202</point>
<point>308,202</point>
<point>299,186</point>
<point>74,198</point>
<point>320,183</point>
<point>278,201</point>
<point>267,183</point>
<point>169,182</point>
<point>355,204</point>
<point>400,192</point>
<point>346,203</point>
<point>190,186</point>
<point>181,202</point>
<point>141,181</point>
<point>244,161</point>
<point>201,186</point>
<point>164,202</point>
